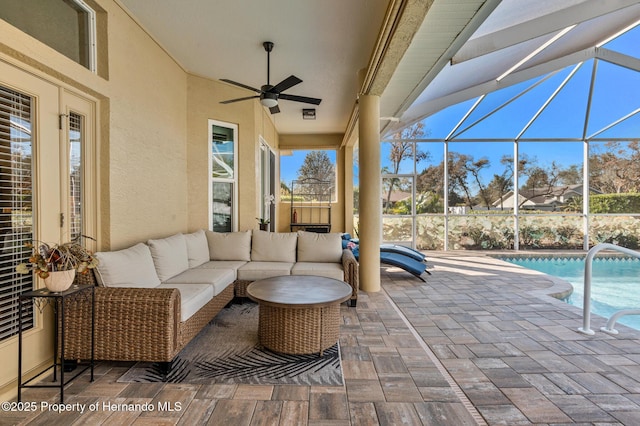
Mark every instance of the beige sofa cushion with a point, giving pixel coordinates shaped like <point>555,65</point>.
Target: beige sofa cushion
<point>218,278</point>
<point>232,265</point>
<point>130,267</point>
<point>315,247</point>
<point>192,297</point>
<point>253,271</point>
<point>197,248</point>
<point>329,270</point>
<point>229,245</point>
<point>169,256</point>
<point>274,246</point>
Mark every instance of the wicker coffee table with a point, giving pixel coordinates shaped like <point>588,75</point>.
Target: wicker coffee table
<point>299,314</point>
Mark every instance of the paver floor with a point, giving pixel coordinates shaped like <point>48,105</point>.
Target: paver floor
<point>480,343</point>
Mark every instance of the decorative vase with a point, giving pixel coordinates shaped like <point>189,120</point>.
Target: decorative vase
<point>58,281</point>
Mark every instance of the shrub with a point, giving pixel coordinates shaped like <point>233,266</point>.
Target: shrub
<point>614,203</point>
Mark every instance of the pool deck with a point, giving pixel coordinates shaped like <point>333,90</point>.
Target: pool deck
<point>480,342</point>
<point>514,351</point>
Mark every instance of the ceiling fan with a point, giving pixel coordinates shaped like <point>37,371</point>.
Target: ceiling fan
<point>269,94</point>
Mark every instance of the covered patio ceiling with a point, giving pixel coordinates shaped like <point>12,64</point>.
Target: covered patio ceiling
<point>419,57</point>
<point>516,42</point>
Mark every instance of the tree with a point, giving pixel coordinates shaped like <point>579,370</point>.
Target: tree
<point>550,180</point>
<point>457,165</point>
<point>284,189</point>
<point>475,168</point>
<point>317,166</point>
<point>402,149</point>
<point>616,169</point>
<point>503,183</point>
<point>498,188</point>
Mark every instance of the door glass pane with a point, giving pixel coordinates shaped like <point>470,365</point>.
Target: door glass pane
<point>75,175</point>
<point>16,219</point>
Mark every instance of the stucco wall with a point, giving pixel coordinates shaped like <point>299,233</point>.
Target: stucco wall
<point>147,141</point>
<point>204,98</point>
<point>141,139</point>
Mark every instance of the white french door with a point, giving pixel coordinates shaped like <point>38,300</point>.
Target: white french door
<point>77,178</point>
<point>47,189</point>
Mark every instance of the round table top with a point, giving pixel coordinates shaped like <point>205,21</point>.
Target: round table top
<point>303,291</point>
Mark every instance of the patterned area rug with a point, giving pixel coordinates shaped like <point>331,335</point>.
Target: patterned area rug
<point>227,351</point>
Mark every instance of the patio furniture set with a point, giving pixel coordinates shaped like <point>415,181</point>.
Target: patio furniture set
<point>152,299</point>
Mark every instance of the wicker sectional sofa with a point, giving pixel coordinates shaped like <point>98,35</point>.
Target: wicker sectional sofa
<point>152,299</point>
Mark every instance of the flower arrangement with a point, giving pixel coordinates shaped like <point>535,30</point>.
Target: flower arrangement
<point>46,258</point>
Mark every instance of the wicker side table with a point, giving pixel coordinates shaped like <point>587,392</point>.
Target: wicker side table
<point>299,314</point>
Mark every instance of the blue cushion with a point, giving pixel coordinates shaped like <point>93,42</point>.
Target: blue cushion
<point>407,251</point>
<point>407,263</point>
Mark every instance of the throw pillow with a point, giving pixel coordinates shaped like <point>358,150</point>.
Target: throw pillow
<point>197,248</point>
<point>169,256</point>
<point>130,267</point>
<point>274,246</point>
<point>314,247</point>
<point>229,245</point>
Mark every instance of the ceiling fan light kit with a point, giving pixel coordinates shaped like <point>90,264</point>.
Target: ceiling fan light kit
<point>270,95</point>
<point>269,100</point>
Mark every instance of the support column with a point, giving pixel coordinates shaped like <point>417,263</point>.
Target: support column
<point>370,191</point>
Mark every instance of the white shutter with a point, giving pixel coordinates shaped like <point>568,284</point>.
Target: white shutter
<point>16,200</point>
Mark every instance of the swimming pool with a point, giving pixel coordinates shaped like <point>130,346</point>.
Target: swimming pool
<point>615,282</point>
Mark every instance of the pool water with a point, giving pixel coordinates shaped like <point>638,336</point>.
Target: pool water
<point>615,282</point>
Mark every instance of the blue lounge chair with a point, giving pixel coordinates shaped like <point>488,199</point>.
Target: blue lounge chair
<point>407,251</point>
<point>409,264</point>
<point>403,257</point>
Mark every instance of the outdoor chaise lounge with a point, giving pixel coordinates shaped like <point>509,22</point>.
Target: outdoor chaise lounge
<point>402,257</point>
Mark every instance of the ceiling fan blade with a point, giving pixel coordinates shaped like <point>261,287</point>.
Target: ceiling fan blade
<point>239,99</point>
<point>240,84</point>
<point>288,82</point>
<point>274,109</point>
<point>306,100</point>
